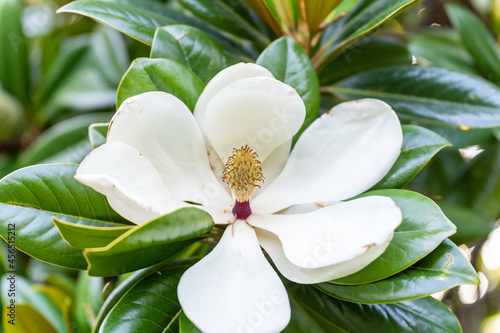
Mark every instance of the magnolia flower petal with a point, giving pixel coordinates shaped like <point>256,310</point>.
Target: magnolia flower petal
<point>334,234</point>
<point>130,182</point>
<point>274,248</point>
<point>342,154</point>
<point>217,166</point>
<point>234,289</point>
<point>164,131</point>
<point>218,82</point>
<point>305,208</point>
<point>221,216</point>
<point>273,165</point>
<point>260,112</point>
<point>222,80</point>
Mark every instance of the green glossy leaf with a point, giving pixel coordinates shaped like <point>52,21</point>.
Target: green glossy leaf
<point>147,74</point>
<point>441,48</point>
<point>289,63</point>
<point>173,11</point>
<point>428,95</point>
<point>363,55</point>
<point>27,293</point>
<point>151,305</point>
<point>82,237</point>
<point>97,134</point>
<point>423,228</point>
<point>28,320</point>
<point>30,197</point>
<point>190,47</point>
<point>88,300</point>
<point>363,18</point>
<point>149,243</point>
<point>314,309</point>
<point>477,39</point>
<point>115,296</point>
<point>305,319</point>
<point>133,21</point>
<point>223,16</point>
<point>68,136</point>
<point>479,186</point>
<point>186,326</point>
<point>150,5</point>
<point>419,146</point>
<point>444,268</point>
<point>14,62</point>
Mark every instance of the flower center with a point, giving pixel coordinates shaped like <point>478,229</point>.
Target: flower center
<point>242,173</point>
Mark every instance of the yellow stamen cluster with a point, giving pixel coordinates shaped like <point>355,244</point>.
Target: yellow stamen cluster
<point>242,173</point>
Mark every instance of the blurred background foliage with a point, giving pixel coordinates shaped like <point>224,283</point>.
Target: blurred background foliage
<point>59,73</point>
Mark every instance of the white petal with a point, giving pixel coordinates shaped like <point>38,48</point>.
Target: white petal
<point>273,165</point>
<point>130,182</point>
<point>218,82</point>
<point>217,166</point>
<point>342,154</point>
<point>305,208</point>
<point>221,216</point>
<point>223,79</point>
<point>260,112</point>
<point>294,273</point>
<point>334,234</point>
<point>234,289</point>
<point>163,129</point>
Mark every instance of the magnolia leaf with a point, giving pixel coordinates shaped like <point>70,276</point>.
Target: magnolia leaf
<point>289,63</point>
<point>117,293</point>
<point>223,16</point>
<point>149,243</point>
<point>151,305</point>
<point>190,47</point>
<point>32,196</point>
<point>444,268</point>
<point>423,228</point>
<point>165,75</point>
<point>359,21</point>
<point>364,55</point>
<point>312,309</point>
<point>138,23</point>
<point>419,146</point>
<point>81,237</point>
<point>428,95</point>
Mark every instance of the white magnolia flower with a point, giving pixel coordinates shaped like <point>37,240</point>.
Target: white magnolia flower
<point>233,158</point>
